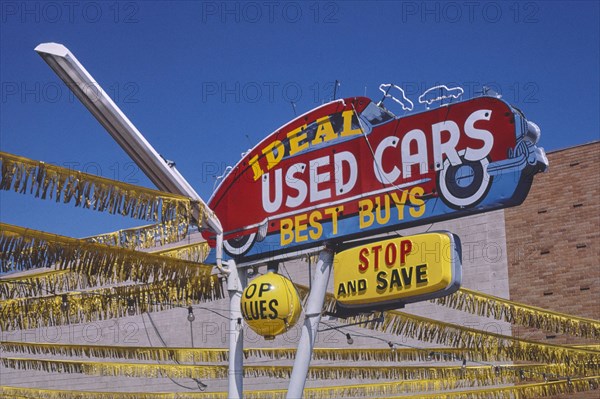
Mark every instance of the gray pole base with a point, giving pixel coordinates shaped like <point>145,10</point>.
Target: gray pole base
<point>312,317</point>
<point>236,280</point>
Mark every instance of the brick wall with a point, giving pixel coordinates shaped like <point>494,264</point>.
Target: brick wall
<point>553,241</point>
<point>553,238</point>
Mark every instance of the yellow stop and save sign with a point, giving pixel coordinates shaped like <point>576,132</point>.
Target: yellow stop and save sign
<point>398,270</point>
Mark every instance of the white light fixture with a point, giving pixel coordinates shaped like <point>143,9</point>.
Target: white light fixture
<point>130,307</point>
<point>190,315</point>
<point>349,339</point>
<point>64,305</point>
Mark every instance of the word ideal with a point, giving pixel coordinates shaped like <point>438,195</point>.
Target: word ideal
<point>298,140</point>
<point>270,305</point>
<point>390,273</point>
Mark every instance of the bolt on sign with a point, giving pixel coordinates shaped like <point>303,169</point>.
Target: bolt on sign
<point>350,168</point>
<point>389,273</point>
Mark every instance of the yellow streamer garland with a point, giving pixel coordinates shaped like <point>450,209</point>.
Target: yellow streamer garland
<point>487,305</point>
<point>93,192</point>
<point>105,303</point>
<point>480,374</point>
<point>203,355</point>
<point>186,355</point>
<point>492,345</point>
<point>25,249</point>
<point>40,282</point>
<point>144,236</point>
<point>191,252</point>
<point>595,347</point>
<point>358,390</point>
<point>521,391</point>
<point>363,390</point>
<point>363,354</point>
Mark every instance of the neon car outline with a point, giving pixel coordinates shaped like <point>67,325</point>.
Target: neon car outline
<point>459,90</point>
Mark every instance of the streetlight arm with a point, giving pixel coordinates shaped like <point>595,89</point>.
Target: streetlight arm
<point>164,175</point>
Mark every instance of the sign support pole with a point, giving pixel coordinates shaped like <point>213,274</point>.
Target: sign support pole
<point>236,280</point>
<point>312,317</point>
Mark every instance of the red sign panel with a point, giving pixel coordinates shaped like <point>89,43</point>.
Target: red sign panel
<point>350,168</point>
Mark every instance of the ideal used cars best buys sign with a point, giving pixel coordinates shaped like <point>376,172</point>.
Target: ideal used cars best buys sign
<point>350,169</point>
<point>397,270</point>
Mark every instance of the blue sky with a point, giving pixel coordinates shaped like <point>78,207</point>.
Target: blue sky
<point>205,81</point>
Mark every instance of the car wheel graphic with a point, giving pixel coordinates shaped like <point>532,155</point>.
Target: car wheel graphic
<point>239,245</point>
<point>464,185</point>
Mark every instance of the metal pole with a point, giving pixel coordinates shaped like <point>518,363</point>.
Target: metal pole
<point>236,280</point>
<point>312,317</point>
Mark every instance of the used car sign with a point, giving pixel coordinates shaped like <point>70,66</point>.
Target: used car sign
<point>350,168</point>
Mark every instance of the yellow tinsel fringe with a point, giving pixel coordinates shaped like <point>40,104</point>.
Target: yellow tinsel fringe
<point>41,282</point>
<point>359,390</point>
<point>481,374</point>
<point>594,347</point>
<point>22,249</point>
<point>493,346</point>
<point>191,252</point>
<point>106,303</point>
<point>383,390</point>
<point>93,192</point>
<point>486,305</point>
<point>143,237</point>
<point>203,355</point>
<point>362,390</point>
<point>537,390</point>
<point>187,355</point>
<point>364,354</point>
<point>25,249</point>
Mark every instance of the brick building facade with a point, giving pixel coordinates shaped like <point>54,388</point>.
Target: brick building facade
<point>553,239</point>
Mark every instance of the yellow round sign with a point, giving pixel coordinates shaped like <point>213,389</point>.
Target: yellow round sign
<point>270,305</point>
